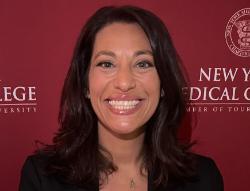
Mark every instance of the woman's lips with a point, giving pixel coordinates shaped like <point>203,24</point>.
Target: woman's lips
<point>123,107</point>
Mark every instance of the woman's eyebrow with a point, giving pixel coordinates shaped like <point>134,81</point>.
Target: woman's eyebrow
<point>143,52</point>
<point>112,54</point>
<point>105,52</point>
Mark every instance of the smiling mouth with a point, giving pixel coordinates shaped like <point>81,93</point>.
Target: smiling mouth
<point>124,106</point>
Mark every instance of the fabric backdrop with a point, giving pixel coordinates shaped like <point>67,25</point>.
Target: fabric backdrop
<point>36,43</point>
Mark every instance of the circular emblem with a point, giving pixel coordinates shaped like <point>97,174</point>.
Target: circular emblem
<point>237,33</point>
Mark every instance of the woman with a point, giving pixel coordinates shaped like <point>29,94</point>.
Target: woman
<point>121,107</point>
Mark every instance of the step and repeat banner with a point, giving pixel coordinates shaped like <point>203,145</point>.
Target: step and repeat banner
<point>37,38</point>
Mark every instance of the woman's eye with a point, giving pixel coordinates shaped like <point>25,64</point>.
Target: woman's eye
<point>144,64</point>
<point>105,64</point>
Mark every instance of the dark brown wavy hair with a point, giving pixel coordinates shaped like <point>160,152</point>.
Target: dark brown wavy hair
<point>75,153</point>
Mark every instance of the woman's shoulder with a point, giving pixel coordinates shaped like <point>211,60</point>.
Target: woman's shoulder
<point>35,177</point>
<point>208,176</point>
<point>37,161</point>
<point>206,166</point>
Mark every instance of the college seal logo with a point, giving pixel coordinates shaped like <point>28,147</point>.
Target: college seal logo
<point>237,33</point>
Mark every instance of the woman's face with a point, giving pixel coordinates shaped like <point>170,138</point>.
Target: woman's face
<point>124,86</point>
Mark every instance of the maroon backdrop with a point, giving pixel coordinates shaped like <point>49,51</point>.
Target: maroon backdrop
<point>36,43</point>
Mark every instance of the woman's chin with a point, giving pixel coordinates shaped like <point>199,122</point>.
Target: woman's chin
<point>126,133</point>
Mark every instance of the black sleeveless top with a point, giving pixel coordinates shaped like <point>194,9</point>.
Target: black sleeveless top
<point>34,179</point>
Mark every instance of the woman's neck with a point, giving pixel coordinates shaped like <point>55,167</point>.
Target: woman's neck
<point>126,150</point>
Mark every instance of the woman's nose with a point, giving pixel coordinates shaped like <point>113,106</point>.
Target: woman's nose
<point>124,79</point>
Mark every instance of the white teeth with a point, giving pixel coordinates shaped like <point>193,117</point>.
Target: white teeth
<point>122,105</point>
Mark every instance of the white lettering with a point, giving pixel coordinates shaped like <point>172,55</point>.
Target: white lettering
<point>247,94</point>
<point>32,93</point>
<point>22,98</point>
<point>246,74</point>
<point>204,74</point>
<point>7,93</point>
<point>210,93</point>
<point>192,93</point>
<point>229,73</point>
<point>217,74</point>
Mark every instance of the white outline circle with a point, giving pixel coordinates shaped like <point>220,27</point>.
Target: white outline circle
<point>228,37</point>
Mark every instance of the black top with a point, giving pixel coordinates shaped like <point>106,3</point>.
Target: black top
<point>34,179</point>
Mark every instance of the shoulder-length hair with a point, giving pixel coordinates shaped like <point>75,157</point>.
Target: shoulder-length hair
<point>75,153</point>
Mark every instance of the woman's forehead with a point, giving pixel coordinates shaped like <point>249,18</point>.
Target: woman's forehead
<point>121,36</point>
